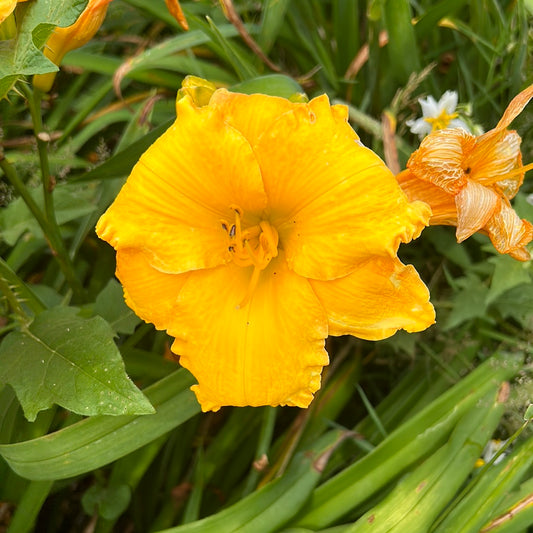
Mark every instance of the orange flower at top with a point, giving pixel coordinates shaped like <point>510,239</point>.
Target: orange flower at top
<point>175,10</point>
<point>252,229</point>
<point>64,40</point>
<point>7,7</point>
<point>468,181</point>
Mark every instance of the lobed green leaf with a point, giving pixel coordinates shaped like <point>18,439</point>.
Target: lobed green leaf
<point>72,361</point>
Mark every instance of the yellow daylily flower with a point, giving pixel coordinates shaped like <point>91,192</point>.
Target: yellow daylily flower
<point>469,181</point>
<point>64,40</point>
<point>252,229</point>
<point>7,7</point>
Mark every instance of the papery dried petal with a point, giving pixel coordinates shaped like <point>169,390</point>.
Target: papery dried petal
<point>509,233</point>
<point>476,204</point>
<point>440,159</point>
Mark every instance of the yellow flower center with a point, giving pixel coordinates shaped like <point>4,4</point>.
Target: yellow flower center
<point>255,245</point>
<point>442,121</point>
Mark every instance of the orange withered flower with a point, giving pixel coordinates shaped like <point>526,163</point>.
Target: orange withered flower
<point>252,229</point>
<point>468,181</point>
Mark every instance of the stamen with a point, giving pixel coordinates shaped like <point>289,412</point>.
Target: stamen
<point>253,246</point>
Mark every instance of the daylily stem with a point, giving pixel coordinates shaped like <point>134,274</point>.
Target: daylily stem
<point>47,220</point>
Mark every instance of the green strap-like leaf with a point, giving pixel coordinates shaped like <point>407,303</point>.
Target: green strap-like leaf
<point>97,441</point>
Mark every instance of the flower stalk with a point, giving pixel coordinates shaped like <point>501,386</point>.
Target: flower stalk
<point>47,220</point>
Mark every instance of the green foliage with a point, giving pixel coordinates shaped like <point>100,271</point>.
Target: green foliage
<point>69,360</point>
<point>392,439</point>
<point>22,55</point>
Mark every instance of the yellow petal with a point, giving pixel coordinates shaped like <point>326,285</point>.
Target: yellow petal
<point>150,293</point>
<point>476,204</point>
<point>440,159</point>
<point>270,352</point>
<point>332,200</point>
<point>510,234</point>
<point>250,114</point>
<point>6,8</point>
<point>379,297</point>
<point>180,190</point>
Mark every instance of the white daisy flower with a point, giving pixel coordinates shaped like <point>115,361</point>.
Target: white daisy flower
<point>437,115</point>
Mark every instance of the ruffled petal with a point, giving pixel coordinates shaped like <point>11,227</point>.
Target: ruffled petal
<point>335,203</point>
<point>150,293</point>
<point>509,233</point>
<point>269,352</point>
<point>379,297</point>
<point>476,204</point>
<point>180,190</point>
<point>440,159</point>
<point>251,114</point>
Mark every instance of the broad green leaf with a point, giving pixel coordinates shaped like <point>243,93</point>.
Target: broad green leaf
<point>508,274</point>
<point>22,56</point>
<point>70,202</point>
<point>110,305</point>
<point>109,502</point>
<point>72,361</point>
<point>517,303</point>
<point>468,303</point>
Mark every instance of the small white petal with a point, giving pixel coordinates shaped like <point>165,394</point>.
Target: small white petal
<point>419,126</point>
<point>448,101</point>
<point>429,107</point>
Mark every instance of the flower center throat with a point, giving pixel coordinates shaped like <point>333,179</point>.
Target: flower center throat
<point>252,246</point>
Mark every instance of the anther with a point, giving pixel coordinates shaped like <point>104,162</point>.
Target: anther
<point>233,231</point>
